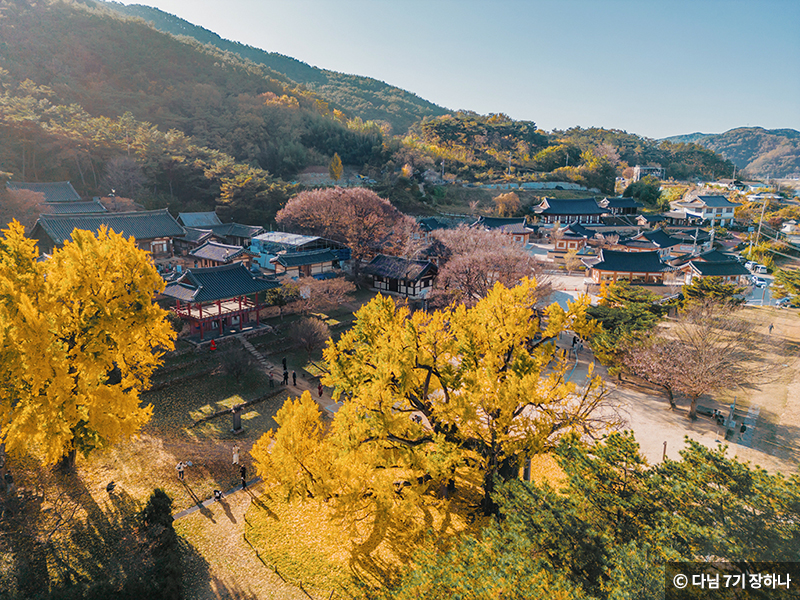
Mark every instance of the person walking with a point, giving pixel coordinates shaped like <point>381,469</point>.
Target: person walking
<point>179,468</point>
<point>771,326</point>
<point>236,454</point>
<point>294,378</point>
<point>243,475</point>
<point>319,389</point>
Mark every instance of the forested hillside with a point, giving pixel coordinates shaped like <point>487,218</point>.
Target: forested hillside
<point>757,151</point>
<point>109,65</point>
<point>363,97</point>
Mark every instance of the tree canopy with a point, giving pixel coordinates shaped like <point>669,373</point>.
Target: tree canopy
<point>434,398</point>
<point>79,340</point>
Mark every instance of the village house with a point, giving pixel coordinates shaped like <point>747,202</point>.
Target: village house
<point>714,209</point>
<point>218,299</point>
<point>153,230</point>
<point>52,191</point>
<point>214,254</point>
<point>313,263</point>
<point>516,228</point>
<point>270,244</point>
<point>620,206</point>
<point>234,234</point>
<point>634,267</point>
<point>395,275</point>
<point>583,210</point>
<point>712,263</point>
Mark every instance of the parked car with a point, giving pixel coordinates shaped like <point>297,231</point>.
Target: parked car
<point>785,303</point>
<point>758,282</point>
<point>749,264</point>
<point>760,269</point>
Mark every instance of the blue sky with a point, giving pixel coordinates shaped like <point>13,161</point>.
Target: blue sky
<point>652,67</point>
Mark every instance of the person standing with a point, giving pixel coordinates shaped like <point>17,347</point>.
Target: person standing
<point>319,389</point>
<point>179,468</point>
<point>284,364</point>
<point>243,475</point>
<point>771,326</point>
<point>285,377</point>
<point>236,454</point>
<point>294,378</point>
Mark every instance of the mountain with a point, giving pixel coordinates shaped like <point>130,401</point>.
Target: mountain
<point>758,151</point>
<point>357,96</point>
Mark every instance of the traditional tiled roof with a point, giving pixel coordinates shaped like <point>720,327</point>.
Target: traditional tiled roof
<point>716,256</point>
<point>620,202</point>
<point>432,223</point>
<point>236,230</point>
<point>199,219</point>
<point>54,191</point>
<point>217,283</point>
<point>651,218</point>
<point>639,243</point>
<point>630,262</point>
<point>394,267</point>
<point>142,225</point>
<point>298,259</point>
<point>506,225</point>
<point>578,229</point>
<point>217,252</point>
<point>581,206</point>
<point>62,208</point>
<point>196,236</point>
<point>660,238</point>
<point>718,269</point>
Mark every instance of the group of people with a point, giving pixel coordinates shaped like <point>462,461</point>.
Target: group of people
<point>181,468</point>
<point>320,389</point>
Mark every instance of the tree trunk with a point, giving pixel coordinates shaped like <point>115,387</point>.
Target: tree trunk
<point>692,416</point>
<point>488,504</point>
<point>670,397</point>
<point>67,462</point>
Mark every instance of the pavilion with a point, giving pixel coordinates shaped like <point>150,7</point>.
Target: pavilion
<point>217,298</point>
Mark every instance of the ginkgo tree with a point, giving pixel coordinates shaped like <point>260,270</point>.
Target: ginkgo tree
<point>80,338</point>
<point>432,398</point>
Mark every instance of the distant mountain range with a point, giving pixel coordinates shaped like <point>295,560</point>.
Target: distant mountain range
<point>757,151</point>
<point>358,96</point>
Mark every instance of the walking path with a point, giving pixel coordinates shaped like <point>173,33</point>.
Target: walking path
<point>211,501</point>
<point>276,372</point>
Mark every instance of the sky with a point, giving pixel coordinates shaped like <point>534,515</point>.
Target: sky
<point>652,67</point>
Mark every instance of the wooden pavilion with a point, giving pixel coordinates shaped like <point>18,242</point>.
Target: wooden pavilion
<point>218,298</point>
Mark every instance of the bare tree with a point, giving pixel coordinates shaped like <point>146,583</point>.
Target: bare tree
<point>507,204</point>
<point>711,347</point>
<point>572,261</point>
<point>123,177</point>
<point>22,205</point>
<point>478,260</point>
<point>324,294</point>
<point>406,238</point>
<point>356,217</point>
<point>310,334</point>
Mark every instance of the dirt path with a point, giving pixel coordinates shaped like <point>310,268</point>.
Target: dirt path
<point>223,565</point>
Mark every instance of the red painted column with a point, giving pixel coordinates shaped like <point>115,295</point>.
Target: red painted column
<point>258,310</point>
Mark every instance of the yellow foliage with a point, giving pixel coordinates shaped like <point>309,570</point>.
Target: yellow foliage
<point>79,339</point>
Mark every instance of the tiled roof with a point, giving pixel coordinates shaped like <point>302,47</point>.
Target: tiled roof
<point>199,219</point>
<point>620,202</point>
<point>715,201</point>
<point>142,225</point>
<point>394,267</point>
<point>196,236</point>
<point>718,269</point>
<point>217,252</point>
<point>506,225</point>
<point>630,262</point>
<point>660,238</point>
<point>217,283</point>
<point>312,257</point>
<point>580,230</point>
<point>54,191</point>
<point>716,256</point>
<point>651,218</point>
<point>581,206</point>
<point>62,208</point>
<point>236,230</point>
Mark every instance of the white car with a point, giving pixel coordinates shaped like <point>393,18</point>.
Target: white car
<point>758,282</point>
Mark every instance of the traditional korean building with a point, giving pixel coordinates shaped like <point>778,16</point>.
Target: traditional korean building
<point>516,228</point>
<point>583,210</point>
<point>214,254</point>
<point>218,299</point>
<point>63,208</point>
<point>619,206</point>
<point>314,263</point>
<point>53,191</point>
<point>635,267</point>
<point>153,230</point>
<point>662,241</point>
<point>199,220</point>
<point>395,275</point>
<point>713,264</point>
<point>193,238</point>
<point>573,237</point>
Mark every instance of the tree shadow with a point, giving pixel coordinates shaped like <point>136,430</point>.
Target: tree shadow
<point>199,503</point>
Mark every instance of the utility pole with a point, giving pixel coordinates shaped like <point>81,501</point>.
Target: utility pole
<point>760,220</point>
